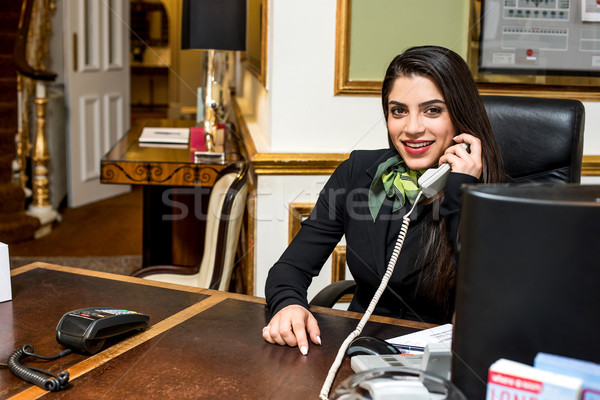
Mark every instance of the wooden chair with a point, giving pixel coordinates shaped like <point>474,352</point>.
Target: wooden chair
<point>226,205</point>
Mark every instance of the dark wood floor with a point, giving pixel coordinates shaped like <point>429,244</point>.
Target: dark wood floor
<point>106,229</point>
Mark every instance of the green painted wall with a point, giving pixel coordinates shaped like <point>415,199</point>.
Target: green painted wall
<point>381,29</point>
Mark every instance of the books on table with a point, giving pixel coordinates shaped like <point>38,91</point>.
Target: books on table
<point>166,136</point>
<point>513,380</point>
<point>588,371</point>
<point>552,377</point>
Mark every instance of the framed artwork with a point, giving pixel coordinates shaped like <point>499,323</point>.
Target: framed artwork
<point>256,48</point>
<point>369,33</point>
<point>548,48</point>
<point>297,213</point>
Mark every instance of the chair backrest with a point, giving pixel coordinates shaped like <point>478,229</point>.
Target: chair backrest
<point>540,139</point>
<point>226,207</point>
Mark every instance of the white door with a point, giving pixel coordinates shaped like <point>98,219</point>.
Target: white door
<point>97,91</point>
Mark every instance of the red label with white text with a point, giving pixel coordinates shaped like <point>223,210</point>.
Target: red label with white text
<point>515,382</point>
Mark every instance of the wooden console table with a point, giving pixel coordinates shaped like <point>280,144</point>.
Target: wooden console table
<point>130,163</point>
<point>174,187</point>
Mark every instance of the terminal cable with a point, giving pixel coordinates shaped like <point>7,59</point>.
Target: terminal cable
<point>37,376</point>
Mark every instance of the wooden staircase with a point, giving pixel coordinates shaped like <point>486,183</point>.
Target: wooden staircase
<point>15,224</point>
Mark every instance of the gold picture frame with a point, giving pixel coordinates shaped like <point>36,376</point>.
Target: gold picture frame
<point>343,84</point>
<point>299,211</point>
<point>338,264</point>
<point>580,88</point>
<point>255,59</point>
<point>369,35</point>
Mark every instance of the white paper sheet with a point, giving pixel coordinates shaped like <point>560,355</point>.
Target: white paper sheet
<point>5,289</point>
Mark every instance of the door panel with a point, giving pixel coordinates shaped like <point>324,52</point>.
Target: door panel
<point>97,91</point>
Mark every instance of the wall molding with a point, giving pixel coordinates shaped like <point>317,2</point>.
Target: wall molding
<point>297,163</point>
<point>590,166</point>
<point>326,163</point>
<point>285,163</point>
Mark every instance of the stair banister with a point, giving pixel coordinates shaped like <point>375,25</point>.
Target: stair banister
<point>40,206</point>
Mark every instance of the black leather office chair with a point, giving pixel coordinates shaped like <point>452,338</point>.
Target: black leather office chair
<point>541,141</point>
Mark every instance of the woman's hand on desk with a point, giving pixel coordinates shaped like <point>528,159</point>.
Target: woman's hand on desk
<point>290,326</point>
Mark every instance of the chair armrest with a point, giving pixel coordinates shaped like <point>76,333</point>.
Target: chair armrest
<point>165,269</point>
<point>330,294</point>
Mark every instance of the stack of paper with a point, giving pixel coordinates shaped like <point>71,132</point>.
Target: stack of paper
<point>5,289</point>
<point>416,342</point>
<point>166,136</point>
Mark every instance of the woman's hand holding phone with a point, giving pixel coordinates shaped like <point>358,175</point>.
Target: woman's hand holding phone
<point>463,161</point>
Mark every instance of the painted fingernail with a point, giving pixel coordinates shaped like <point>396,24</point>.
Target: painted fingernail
<point>319,340</point>
<point>303,350</point>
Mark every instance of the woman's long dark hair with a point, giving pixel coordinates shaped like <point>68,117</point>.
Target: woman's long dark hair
<point>453,78</point>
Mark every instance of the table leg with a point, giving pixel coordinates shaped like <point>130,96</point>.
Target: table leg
<point>157,232</point>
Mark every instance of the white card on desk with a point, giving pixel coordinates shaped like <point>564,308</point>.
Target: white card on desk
<point>5,290</point>
<point>165,135</point>
<point>417,341</point>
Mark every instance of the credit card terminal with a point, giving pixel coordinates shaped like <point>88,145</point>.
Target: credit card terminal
<point>85,330</point>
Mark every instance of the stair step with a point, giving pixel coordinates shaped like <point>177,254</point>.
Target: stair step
<point>7,40</point>
<point>7,65</point>
<point>18,226</point>
<point>7,141</point>
<point>12,198</point>
<point>11,6</point>
<point>5,173</point>
<point>8,117</point>
<point>8,95</point>
<point>11,16</point>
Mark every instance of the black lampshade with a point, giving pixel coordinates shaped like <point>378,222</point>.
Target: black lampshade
<point>213,24</point>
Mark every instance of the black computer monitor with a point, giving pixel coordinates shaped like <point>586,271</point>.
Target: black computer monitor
<point>528,278</point>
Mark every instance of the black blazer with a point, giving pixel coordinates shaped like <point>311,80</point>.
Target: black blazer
<point>342,209</point>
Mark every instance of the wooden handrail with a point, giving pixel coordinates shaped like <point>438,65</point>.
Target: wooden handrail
<point>21,45</point>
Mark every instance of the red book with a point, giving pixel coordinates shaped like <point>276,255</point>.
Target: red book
<point>197,140</point>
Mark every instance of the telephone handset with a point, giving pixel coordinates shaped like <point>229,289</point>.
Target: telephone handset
<point>434,179</point>
<point>391,376</point>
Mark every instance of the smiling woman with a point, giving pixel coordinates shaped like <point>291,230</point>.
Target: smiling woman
<point>431,104</point>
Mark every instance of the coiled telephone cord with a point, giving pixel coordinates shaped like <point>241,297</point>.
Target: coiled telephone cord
<point>37,376</point>
<point>384,281</point>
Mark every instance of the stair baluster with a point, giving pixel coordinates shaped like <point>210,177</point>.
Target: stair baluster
<point>40,206</point>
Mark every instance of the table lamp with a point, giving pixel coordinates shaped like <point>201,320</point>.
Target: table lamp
<point>219,27</point>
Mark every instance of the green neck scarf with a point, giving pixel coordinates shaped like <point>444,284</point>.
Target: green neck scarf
<point>395,180</point>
